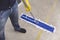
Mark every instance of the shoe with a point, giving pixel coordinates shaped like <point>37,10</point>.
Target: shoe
<point>22,30</point>
<point>18,29</point>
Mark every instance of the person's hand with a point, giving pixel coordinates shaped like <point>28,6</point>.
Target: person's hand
<point>27,5</point>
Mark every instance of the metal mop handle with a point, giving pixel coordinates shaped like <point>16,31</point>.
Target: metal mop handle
<point>32,14</point>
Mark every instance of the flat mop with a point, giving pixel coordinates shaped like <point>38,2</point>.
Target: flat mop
<point>39,24</point>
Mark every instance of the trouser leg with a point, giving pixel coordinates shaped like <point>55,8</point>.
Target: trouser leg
<point>3,18</point>
<point>14,16</point>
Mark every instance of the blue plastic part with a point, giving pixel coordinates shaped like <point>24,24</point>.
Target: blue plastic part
<point>38,23</point>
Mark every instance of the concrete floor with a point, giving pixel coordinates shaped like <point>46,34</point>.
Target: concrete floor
<point>45,10</point>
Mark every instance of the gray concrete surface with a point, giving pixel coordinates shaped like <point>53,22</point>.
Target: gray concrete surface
<point>45,10</point>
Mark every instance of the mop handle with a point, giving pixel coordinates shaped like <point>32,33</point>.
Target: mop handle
<point>32,14</point>
<point>28,7</point>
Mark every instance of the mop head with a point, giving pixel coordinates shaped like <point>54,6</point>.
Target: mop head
<point>39,24</point>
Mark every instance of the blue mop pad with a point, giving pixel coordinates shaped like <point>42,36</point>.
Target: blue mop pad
<point>40,24</point>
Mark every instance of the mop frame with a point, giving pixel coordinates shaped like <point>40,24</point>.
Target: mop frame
<point>38,23</point>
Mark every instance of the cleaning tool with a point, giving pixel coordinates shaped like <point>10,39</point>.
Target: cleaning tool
<point>39,24</point>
